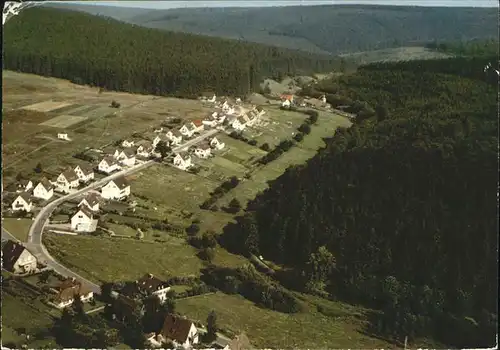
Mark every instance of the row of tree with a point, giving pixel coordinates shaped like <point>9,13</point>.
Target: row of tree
<point>118,56</point>
<point>404,201</point>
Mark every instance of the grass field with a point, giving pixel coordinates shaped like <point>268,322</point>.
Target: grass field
<point>61,104</point>
<point>108,259</point>
<point>18,228</point>
<point>271,329</point>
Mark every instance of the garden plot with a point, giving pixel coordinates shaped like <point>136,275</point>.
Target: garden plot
<point>46,106</point>
<point>63,121</point>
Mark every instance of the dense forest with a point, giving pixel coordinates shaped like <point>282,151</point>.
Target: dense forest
<point>118,56</point>
<point>326,28</point>
<point>472,48</point>
<point>398,212</point>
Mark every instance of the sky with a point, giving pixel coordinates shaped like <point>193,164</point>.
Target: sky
<point>260,3</point>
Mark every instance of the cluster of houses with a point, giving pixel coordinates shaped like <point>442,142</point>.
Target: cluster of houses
<point>289,100</point>
<point>44,190</point>
<point>176,329</point>
<point>19,260</point>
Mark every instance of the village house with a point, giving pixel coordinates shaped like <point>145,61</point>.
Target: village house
<point>84,173</point>
<point>108,164</point>
<point>68,290</point>
<point>198,125</point>
<point>24,185</point>
<point>237,111</point>
<point>188,130</point>
<point>127,143</point>
<point>250,118</point>
<point>125,308</point>
<point>147,286</point>
<point>221,118</point>
<point>17,259</point>
<point>228,107</point>
<point>158,130</point>
<point>180,331</point>
<point>22,202</point>
<point>116,189</point>
<point>203,150</point>
<point>215,143</point>
<point>211,120</point>
<point>174,136</point>
<point>83,220</point>
<point>182,160</point>
<point>67,180</point>
<point>208,97</point>
<point>63,136</point>
<point>323,99</point>
<point>286,100</point>
<point>91,201</point>
<point>145,149</point>
<point>43,190</point>
<point>260,111</point>
<point>126,157</point>
<point>239,124</point>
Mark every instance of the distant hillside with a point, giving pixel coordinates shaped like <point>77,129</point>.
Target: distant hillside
<point>334,29</point>
<point>397,54</point>
<point>119,56</point>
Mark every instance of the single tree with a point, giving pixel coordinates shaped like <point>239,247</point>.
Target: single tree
<point>163,148</point>
<point>298,137</point>
<point>208,254</point>
<point>265,147</point>
<point>38,169</point>
<point>212,325</point>
<point>234,206</point>
<point>77,306</point>
<point>44,276</point>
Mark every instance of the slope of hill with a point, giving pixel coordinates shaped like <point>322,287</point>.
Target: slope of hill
<point>120,56</point>
<point>405,201</point>
<point>335,29</point>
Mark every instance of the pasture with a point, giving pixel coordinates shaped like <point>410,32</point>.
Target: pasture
<point>103,259</point>
<point>270,329</point>
<point>46,106</point>
<point>63,121</point>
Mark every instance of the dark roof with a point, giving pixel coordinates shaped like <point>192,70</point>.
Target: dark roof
<point>11,251</point>
<point>121,182</point>
<point>176,133</point>
<point>70,175</point>
<point>84,209</point>
<point>190,126</point>
<point>24,182</point>
<point>25,196</point>
<point>129,152</point>
<point>46,184</point>
<point>110,160</point>
<point>176,328</point>
<point>92,199</point>
<point>69,288</point>
<point>85,169</point>
<point>203,145</point>
<point>149,283</point>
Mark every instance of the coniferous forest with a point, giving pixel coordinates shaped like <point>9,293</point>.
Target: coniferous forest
<point>405,200</point>
<point>107,53</point>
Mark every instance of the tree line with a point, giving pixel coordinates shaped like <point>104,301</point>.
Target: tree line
<point>110,54</point>
<point>399,211</point>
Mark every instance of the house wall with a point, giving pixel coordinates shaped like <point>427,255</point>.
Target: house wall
<point>26,263</point>
<point>20,204</point>
<point>80,222</point>
<point>162,293</point>
<point>40,192</point>
<point>128,161</point>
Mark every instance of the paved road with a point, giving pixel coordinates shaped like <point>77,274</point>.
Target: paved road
<point>35,243</point>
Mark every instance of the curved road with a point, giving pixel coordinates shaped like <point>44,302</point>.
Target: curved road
<point>35,243</point>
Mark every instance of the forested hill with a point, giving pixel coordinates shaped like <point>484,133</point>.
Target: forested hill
<point>107,53</point>
<point>329,28</point>
<point>405,200</point>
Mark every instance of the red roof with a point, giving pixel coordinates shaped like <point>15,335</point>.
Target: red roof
<point>198,122</point>
<point>287,97</point>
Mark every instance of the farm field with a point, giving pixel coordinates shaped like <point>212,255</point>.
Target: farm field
<point>19,228</point>
<point>53,105</point>
<point>271,329</point>
<point>102,259</point>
